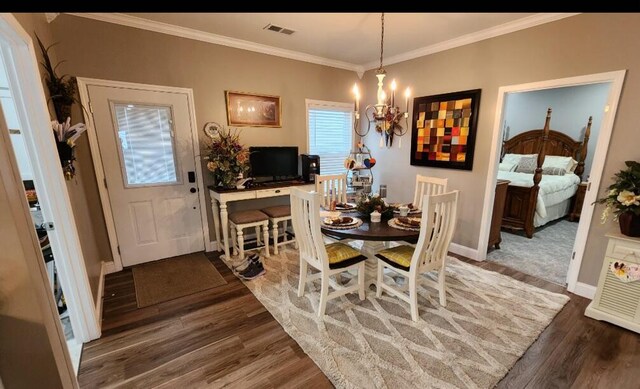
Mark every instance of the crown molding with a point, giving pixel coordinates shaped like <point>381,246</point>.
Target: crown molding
<point>51,16</point>
<point>189,33</point>
<point>506,28</point>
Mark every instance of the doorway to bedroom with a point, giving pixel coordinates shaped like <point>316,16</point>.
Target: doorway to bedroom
<point>539,221</point>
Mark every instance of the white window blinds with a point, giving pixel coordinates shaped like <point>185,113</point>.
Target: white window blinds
<point>330,134</point>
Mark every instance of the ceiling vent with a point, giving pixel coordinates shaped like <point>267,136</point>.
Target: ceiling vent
<point>282,30</point>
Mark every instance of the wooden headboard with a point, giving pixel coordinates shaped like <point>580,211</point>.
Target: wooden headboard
<point>555,143</point>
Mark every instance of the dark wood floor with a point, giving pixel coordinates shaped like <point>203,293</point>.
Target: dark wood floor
<point>225,337</point>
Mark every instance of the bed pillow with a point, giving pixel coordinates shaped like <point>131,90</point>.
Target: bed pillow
<point>515,158</point>
<point>527,164</point>
<point>553,171</point>
<point>567,163</point>
<point>507,167</point>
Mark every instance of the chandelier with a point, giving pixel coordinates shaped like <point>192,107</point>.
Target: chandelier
<point>385,115</point>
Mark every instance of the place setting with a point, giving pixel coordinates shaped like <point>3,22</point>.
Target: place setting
<point>408,223</point>
<point>402,209</point>
<point>341,222</point>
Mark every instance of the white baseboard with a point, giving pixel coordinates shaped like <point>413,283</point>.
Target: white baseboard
<point>585,290</point>
<point>464,251</point>
<point>109,267</point>
<point>214,246</point>
<point>100,295</point>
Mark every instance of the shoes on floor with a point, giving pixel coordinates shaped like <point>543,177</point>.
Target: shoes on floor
<point>43,237</point>
<point>245,263</point>
<point>253,271</point>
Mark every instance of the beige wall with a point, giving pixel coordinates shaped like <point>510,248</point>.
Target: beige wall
<point>30,332</point>
<point>579,45</point>
<point>107,51</point>
<point>90,224</point>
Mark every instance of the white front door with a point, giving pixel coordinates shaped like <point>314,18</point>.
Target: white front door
<point>147,152</point>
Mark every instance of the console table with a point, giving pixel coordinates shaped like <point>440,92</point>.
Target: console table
<point>221,197</point>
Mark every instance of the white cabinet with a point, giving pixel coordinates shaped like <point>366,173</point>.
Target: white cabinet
<point>616,301</point>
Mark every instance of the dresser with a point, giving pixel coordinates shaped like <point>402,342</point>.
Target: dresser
<point>498,209</point>
<point>618,300</point>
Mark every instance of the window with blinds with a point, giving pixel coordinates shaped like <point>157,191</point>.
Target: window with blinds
<point>330,133</point>
<point>146,144</point>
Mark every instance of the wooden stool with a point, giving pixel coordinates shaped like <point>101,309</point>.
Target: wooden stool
<point>277,214</point>
<point>240,220</point>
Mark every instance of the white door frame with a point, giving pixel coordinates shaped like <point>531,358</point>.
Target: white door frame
<point>83,87</point>
<point>33,113</point>
<point>616,78</point>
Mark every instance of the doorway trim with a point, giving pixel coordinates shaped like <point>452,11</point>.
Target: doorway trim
<point>616,78</point>
<point>83,88</point>
<point>24,78</point>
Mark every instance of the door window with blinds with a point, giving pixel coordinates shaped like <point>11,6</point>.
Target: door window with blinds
<point>330,127</point>
<point>144,134</point>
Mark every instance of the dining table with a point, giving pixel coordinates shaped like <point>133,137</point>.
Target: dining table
<point>375,236</point>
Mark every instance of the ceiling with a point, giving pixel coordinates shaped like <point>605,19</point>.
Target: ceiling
<point>344,40</point>
<point>348,37</point>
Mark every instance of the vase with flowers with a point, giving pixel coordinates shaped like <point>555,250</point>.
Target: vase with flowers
<point>623,200</point>
<point>228,159</point>
<point>368,203</point>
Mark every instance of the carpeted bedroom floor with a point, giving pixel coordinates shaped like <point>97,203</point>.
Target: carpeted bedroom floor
<point>546,255</point>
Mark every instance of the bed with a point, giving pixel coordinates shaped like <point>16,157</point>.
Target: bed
<point>533,198</point>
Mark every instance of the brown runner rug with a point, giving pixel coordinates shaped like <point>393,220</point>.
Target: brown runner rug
<point>168,279</point>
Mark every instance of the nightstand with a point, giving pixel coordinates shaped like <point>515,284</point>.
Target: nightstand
<point>618,301</point>
<point>578,202</point>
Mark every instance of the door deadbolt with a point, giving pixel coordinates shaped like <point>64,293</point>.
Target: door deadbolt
<point>193,190</point>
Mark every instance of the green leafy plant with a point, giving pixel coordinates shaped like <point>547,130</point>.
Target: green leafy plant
<point>369,203</point>
<point>624,194</point>
<point>61,88</point>
<point>228,159</point>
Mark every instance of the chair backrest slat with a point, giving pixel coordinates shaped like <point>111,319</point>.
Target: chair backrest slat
<point>332,187</point>
<point>436,231</point>
<point>428,186</point>
<point>305,218</point>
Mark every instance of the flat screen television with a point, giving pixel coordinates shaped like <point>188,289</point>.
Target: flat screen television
<point>274,163</point>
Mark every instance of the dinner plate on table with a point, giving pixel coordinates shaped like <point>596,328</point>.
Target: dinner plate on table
<point>346,207</point>
<point>342,221</point>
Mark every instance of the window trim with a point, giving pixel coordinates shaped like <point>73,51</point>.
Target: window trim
<point>337,105</point>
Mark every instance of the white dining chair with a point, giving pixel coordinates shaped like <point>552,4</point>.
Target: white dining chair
<point>429,254</point>
<point>428,186</point>
<point>332,187</point>
<point>331,259</point>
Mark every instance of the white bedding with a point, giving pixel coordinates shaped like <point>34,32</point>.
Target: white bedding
<point>553,189</point>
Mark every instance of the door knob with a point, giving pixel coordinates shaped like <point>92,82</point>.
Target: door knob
<point>193,190</point>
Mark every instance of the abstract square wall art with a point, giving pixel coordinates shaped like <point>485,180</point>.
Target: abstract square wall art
<point>444,129</point>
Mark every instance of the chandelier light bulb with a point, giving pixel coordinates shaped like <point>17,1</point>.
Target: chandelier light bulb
<point>393,85</point>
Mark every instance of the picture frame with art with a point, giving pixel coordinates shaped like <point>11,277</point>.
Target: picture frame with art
<point>444,130</point>
<point>253,110</point>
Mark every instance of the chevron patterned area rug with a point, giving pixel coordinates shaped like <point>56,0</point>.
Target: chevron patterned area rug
<point>489,322</point>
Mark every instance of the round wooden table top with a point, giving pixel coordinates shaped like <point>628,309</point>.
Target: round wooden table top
<point>381,231</point>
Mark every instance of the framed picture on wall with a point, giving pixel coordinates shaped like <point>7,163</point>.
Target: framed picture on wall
<point>253,110</point>
<point>444,130</point>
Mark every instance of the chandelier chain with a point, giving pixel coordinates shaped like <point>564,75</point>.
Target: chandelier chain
<point>382,42</point>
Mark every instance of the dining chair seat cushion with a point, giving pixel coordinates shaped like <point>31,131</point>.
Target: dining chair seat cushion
<point>398,257</point>
<point>341,255</point>
<point>278,211</point>
<point>243,217</point>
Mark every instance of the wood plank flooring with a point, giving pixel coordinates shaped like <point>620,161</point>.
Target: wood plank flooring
<point>225,337</point>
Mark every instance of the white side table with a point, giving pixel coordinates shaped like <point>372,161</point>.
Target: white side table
<point>616,301</point>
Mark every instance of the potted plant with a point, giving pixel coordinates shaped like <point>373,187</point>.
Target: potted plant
<point>623,200</point>
<point>228,159</point>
